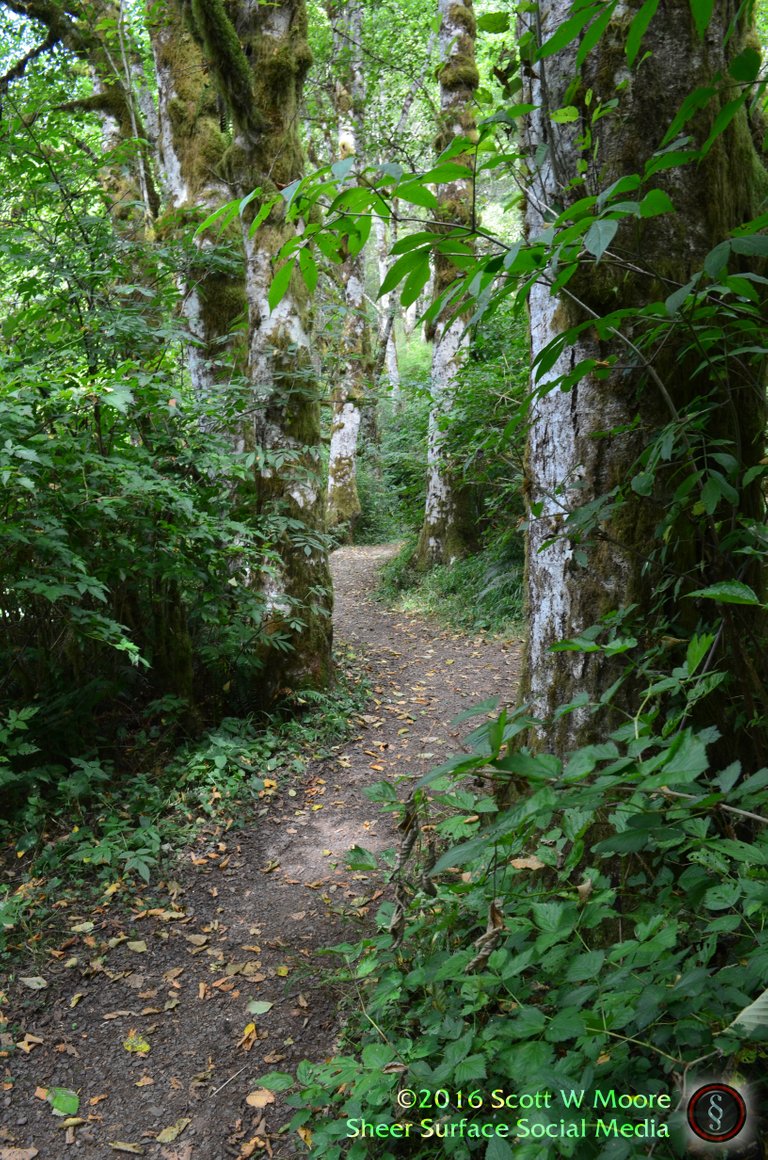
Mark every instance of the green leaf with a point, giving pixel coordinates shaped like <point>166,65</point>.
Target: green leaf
<point>276,1081</point>
<point>280,284</point>
<point>698,647</point>
<point>746,66</point>
<point>415,282</point>
<point>493,22</point>
<point>568,31</point>
<point>565,115</point>
<point>638,28</point>
<point>63,1101</point>
<point>259,1007</point>
<point>656,202</point>
<point>701,11</point>
<point>416,193</point>
<point>308,268</point>
<point>727,592</point>
<point>599,236</point>
<point>756,244</point>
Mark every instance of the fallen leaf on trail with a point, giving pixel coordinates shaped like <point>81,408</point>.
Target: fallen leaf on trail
<point>299,915</point>
<point>259,1007</point>
<point>374,765</point>
<point>116,1014</point>
<point>306,1136</point>
<point>82,928</point>
<point>138,946</point>
<point>282,971</point>
<point>197,940</point>
<point>76,998</point>
<point>168,1135</point>
<point>249,1037</point>
<point>33,982</point>
<point>531,863</point>
<point>145,1081</point>
<point>29,1042</point>
<point>302,1001</point>
<point>119,1146</point>
<point>173,973</point>
<point>111,889</point>
<point>73,1122</point>
<point>94,1100</point>
<point>251,971</point>
<point>63,1101</point>
<point>135,1041</point>
<point>269,867</point>
<point>252,947</point>
<point>18,1153</point>
<point>260,1098</point>
<point>41,1093</point>
<point>67,1049</point>
<point>273,1057</point>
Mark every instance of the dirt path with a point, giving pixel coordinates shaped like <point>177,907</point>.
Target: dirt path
<point>148,1021</point>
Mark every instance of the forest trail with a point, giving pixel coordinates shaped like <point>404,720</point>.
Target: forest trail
<point>146,1016</point>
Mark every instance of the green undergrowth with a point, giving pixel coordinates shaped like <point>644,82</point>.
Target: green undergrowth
<point>603,934</point>
<point>482,592</point>
<point>101,834</point>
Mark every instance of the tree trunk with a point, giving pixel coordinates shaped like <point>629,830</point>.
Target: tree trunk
<point>446,531</point>
<point>191,143</point>
<point>584,442</point>
<point>353,400</point>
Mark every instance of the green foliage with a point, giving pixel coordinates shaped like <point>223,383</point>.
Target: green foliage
<point>124,833</point>
<point>515,962</point>
<point>481,593</point>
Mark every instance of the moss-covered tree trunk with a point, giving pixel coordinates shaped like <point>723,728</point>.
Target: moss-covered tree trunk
<point>447,529</point>
<point>584,442</point>
<point>192,140</point>
<point>259,56</point>
<point>352,392</point>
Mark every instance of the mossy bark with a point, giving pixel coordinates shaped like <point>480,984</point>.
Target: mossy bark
<point>283,424</point>
<point>448,529</point>
<point>351,399</point>
<point>583,443</point>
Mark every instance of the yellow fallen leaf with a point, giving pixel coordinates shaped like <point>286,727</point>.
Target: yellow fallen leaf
<point>76,999</point>
<point>98,1099</point>
<point>197,940</point>
<point>111,889</point>
<point>327,853</point>
<point>168,1135</point>
<point>282,972</point>
<point>260,1098</point>
<point>306,1136</point>
<point>139,947</point>
<point>119,1146</point>
<point>29,1042</point>
<point>135,1041</point>
<point>73,1122</point>
<point>145,1081</point>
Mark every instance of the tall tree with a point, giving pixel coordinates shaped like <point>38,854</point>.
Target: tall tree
<point>353,390</point>
<point>623,414</point>
<point>446,530</point>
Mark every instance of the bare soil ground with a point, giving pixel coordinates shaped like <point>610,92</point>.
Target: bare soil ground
<point>146,1018</point>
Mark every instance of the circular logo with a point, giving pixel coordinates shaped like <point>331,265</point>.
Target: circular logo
<point>717,1112</point>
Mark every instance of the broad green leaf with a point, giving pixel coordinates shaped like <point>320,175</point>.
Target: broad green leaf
<point>63,1101</point>
<point>656,202</point>
<point>698,647</point>
<point>415,282</point>
<point>756,244</point>
<point>340,169</point>
<point>599,236</point>
<point>746,66</point>
<point>493,22</point>
<point>308,268</point>
<point>565,115</point>
<point>276,1081</point>
<point>727,592</point>
<point>416,193</point>
<point>259,1007</point>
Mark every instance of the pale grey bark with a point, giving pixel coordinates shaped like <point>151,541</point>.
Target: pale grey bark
<point>443,534</point>
<point>583,442</point>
